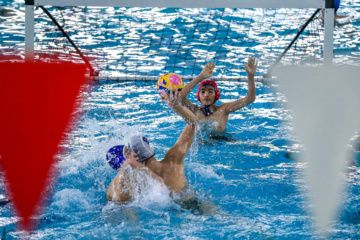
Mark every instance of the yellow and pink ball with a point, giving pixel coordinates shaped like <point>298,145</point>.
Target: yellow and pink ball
<point>169,82</point>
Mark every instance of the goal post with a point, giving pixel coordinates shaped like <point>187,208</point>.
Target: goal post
<point>235,8</point>
<point>329,32</point>
<point>29,32</point>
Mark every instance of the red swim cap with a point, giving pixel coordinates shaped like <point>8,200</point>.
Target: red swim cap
<point>211,83</point>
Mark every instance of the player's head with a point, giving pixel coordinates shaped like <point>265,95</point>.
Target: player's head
<point>141,146</point>
<point>208,92</point>
<point>138,144</point>
<point>115,157</point>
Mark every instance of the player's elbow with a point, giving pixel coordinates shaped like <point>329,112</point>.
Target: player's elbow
<point>195,120</point>
<point>251,99</point>
<point>193,123</point>
<point>192,120</point>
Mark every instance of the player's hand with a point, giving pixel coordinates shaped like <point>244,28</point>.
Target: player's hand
<point>173,100</point>
<point>208,70</point>
<point>251,66</point>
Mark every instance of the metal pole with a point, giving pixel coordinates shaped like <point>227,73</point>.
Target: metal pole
<point>29,31</point>
<point>329,32</point>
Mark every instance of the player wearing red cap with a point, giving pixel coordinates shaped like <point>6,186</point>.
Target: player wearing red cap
<point>208,94</point>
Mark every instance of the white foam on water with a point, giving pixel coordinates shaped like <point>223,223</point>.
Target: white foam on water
<point>204,171</point>
<point>87,169</point>
<point>93,141</point>
<point>147,190</point>
<point>70,199</point>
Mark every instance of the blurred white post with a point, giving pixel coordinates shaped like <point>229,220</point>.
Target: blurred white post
<point>29,33</point>
<point>328,36</point>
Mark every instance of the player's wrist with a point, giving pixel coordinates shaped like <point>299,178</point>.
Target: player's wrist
<point>201,77</point>
<point>176,107</point>
<point>250,75</point>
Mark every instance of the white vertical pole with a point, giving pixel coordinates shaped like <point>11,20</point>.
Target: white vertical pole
<point>328,36</point>
<point>29,33</point>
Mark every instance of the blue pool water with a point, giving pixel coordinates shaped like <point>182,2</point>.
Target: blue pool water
<point>250,177</point>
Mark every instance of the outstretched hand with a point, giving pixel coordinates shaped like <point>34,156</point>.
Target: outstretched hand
<point>208,70</point>
<point>172,100</point>
<point>174,103</point>
<point>251,66</point>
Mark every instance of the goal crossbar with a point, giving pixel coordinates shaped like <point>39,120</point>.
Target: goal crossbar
<point>188,3</point>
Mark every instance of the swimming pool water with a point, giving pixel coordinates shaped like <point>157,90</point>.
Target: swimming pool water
<point>247,175</point>
<point>250,176</point>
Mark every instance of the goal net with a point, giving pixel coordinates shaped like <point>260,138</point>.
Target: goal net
<point>123,43</point>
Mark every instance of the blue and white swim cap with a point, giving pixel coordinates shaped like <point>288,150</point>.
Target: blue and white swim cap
<point>141,146</point>
<point>115,157</point>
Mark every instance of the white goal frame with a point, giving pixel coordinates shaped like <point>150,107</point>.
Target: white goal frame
<point>328,5</point>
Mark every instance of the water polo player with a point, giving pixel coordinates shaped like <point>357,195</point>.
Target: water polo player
<point>208,94</point>
<point>139,154</point>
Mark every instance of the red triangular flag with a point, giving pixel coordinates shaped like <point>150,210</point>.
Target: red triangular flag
<point>37,101</point>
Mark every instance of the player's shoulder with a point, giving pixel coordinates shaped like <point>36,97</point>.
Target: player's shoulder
<point>223,106</point>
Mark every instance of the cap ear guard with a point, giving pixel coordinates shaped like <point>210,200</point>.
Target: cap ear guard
<point>211,83</point>
<point>115,157</point>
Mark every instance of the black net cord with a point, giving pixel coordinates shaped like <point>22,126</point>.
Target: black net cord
<point>92,71</point>
<point>268,74</point>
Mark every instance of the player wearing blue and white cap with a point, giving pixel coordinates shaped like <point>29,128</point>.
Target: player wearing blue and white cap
<point>139,153</point>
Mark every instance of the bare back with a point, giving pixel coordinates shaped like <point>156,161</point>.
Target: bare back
<point>119,189</point>
<point>173,173</point>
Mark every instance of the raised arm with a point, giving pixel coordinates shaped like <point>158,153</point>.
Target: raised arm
<point>174,103</point>
<point>251,94</point>
<point>177,153</point>
<point>205,73</point>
